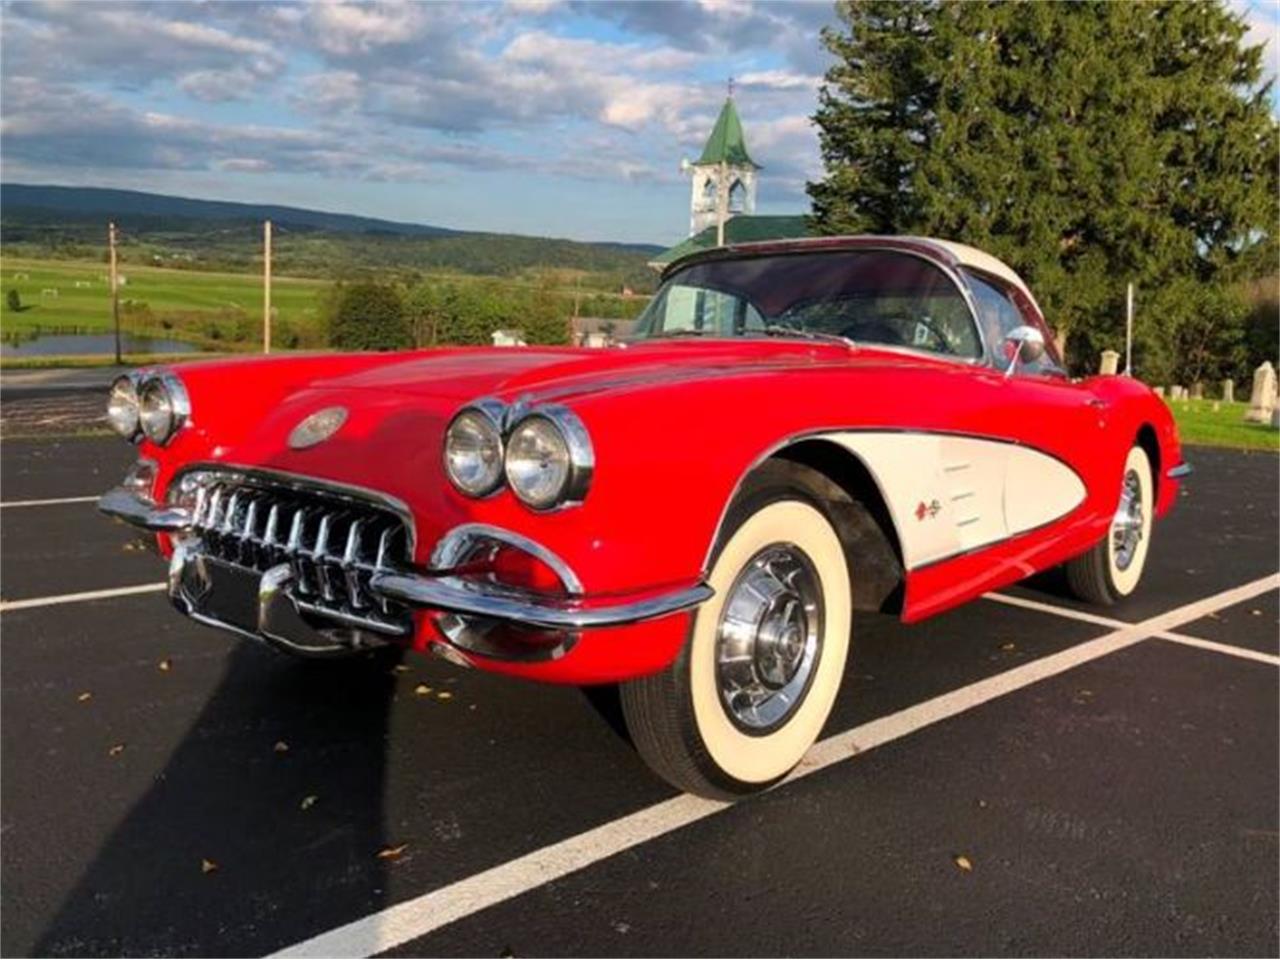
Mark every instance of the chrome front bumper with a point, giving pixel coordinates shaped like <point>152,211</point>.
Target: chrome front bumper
<point>286,619</point>
<point>480,598</point>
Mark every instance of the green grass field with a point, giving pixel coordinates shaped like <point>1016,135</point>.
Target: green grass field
<point>186,300</point>
<point>1199,423</point>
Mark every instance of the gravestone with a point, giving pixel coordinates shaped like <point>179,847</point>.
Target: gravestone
<point>1197,390</point>
<point>1262,401</point>
<point>1110,363</point>
<point>1158,391</point>
<point>1228,391</point>
<point>1177,393</point>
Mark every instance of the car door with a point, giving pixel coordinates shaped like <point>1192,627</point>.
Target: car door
<point>1042,409</point>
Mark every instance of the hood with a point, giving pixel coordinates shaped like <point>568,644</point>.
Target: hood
<point>561,373</point>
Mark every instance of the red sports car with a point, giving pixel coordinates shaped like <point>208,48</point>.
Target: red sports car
<point>796,431</point>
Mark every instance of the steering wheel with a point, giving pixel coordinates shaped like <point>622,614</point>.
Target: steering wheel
<point>894,325</point>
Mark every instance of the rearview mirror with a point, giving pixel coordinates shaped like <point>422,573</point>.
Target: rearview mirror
<point>1022,345</point>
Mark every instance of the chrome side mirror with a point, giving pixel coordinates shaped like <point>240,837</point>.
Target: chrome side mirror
<point>1022,345</point>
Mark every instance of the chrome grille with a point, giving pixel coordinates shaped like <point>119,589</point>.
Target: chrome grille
<point>334,542</point>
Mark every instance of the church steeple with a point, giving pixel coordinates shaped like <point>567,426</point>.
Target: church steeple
<point>724,177</point>
<point>727,143</point>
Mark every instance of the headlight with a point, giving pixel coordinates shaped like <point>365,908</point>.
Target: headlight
<point>549,458</point>
<point>473,449</point>
<point>162,407</point>
<point>122,407</point>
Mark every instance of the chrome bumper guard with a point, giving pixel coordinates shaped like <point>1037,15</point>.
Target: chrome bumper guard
<point>125,504</point>
<point>280,616</point>
<point>1179,471</point>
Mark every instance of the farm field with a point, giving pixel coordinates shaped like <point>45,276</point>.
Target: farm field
<point>176,301</point>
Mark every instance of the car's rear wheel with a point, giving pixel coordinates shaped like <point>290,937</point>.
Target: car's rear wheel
<point>756,681</point>
<point>1112,569</point>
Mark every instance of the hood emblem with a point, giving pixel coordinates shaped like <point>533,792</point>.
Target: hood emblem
<point>317,428</point>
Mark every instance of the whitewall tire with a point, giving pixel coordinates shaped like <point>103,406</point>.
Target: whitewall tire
<point>757,679</point>
<point>1112,570</point>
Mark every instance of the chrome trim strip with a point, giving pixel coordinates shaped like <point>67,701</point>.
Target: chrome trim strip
<point>450,548</point>
<point>1179,471</point>
<point>479,598</point>
<point>124,504</point>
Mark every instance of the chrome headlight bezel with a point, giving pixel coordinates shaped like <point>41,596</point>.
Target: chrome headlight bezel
<point>488,416</point>
<point>579,457</point>
<point>124,391</point>
<point>165,388</point>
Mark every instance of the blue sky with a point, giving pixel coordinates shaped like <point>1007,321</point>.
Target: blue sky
<point>546,117</point>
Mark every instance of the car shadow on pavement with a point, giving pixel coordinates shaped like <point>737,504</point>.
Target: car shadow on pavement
<point>275,793</point>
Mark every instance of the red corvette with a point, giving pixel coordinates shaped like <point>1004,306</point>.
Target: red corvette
<point>797,430</point>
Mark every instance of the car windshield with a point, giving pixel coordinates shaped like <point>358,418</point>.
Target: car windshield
<point>867,296</point>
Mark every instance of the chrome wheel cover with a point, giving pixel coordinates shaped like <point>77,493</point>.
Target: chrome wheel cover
<point>1126,526</point>
<point>769,638</point>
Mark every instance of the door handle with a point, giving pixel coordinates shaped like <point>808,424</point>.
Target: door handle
<point>1097,404</point>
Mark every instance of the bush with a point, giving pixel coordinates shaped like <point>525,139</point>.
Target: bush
<point>15,301</point>
<point>369,316</point>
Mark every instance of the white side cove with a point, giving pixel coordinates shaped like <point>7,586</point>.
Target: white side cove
<point>950,494</point>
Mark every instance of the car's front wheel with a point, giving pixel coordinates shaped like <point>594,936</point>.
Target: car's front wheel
<point>1111,570</point>
<point>753,686</point>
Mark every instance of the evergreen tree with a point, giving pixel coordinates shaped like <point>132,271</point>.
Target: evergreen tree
<point>1086,144</point>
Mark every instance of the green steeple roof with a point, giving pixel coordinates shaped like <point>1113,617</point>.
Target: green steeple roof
<point>726,143</point>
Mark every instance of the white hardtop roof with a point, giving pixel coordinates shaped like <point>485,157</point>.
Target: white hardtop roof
<point>980,260</point>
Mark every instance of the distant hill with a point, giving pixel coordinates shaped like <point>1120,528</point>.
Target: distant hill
<point>69,222</point>
<point>22,200</point>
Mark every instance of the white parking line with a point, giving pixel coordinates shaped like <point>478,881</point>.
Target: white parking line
<point>47,503</point>
<point>6,605</point>
<point>415,918</point>
<point>1082,615</point>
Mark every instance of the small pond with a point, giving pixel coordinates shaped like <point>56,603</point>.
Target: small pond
<point>78,344</point>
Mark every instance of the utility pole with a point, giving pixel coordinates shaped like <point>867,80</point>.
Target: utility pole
<point>115,290</point>
<point>1128,332</point>
<point>266,286</point>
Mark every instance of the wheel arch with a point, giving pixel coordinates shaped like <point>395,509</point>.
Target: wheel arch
<point>860,514</point>
<point>1150,444</point>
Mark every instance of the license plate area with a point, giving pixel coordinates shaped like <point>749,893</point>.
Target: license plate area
<point>223,591</point>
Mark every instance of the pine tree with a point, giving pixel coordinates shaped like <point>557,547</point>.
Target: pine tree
<point>1087,144</point>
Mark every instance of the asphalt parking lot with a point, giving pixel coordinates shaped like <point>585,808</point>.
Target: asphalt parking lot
<point>1021,776</point>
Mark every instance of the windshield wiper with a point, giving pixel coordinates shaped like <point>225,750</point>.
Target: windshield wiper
<point>782,330</point>
<point>686,332</point>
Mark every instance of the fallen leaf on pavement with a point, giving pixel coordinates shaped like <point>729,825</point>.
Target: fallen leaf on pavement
<point>444,695</point>
<point>1008,646</point>
<point>421,690</point>
<point>400,668</point>
<point>116,750</point>
<point>281,747</point>
<point>84,696</point>
<point>392,853</point>
<point>308,801</point>
<point>963,862</point>
<point>165,665</point>
<point>208,866</point>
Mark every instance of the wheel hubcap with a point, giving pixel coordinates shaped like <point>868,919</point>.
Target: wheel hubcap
<point>1126,527</point>
<point>769,638</point>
